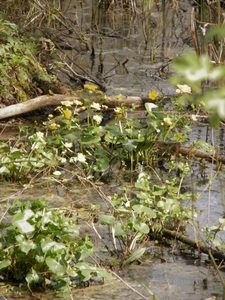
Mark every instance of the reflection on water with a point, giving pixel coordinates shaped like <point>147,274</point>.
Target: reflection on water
<point>112,37</point>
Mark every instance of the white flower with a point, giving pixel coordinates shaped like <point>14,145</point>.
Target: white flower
<point>67,103</point>
<point>97,119</point>
<point>194,118</point>
<point>57,173</point>
<point>168,121</point>
<point>62,160</point>
<point>183,89</point>
<point>118,110</point>
<point>40,134</point>
<point>77,102</point>
<point>81,157</point>
<point>68,145</point>
<point>96,106</point>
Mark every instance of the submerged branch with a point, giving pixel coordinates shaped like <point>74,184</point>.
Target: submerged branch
<point>194,152</point>
<point>195,244</point>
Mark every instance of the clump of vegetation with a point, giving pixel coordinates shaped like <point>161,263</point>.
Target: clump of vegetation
<point>22,75</point>
<point>42,246</point>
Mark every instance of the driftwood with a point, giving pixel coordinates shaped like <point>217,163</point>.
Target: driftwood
<point>195,244</point>
<point>191,152</point>
<point>42,101</point>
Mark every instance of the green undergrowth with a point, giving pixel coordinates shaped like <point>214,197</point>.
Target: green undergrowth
<point>43,247</point>
<point>22,76</point>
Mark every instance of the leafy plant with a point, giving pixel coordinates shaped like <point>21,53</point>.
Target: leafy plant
<point>22,76</point>
<point>134,217</point>
<point>42,246</point>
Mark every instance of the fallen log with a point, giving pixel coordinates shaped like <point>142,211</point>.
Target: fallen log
<point>195,244</point>
<point>193,152</point>
<point>47,100</point>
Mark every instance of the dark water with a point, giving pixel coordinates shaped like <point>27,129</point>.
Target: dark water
<point>119,35</point>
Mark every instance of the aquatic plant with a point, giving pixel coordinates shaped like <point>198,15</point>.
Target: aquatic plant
<point>41,246</point>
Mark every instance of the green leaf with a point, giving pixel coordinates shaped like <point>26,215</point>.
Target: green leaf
<point>33,277</point>
<point>119,231</point>
<point>5,263</point>
<point>102,164</point>
<point>106,219</point>
<point>23,216</point>
<point>86,270</point>
<point>47,244</point>
<point>130,145</point>
<point>20,221</point>
<point>205,146</point>
<point>136,254</point>
<point>26,246</point>
<point>55,266</point>
<point>139,208</point>
<point>140,226</point>
<point>90,139</point>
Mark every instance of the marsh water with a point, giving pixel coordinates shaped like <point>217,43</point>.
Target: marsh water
<point>131,54</point>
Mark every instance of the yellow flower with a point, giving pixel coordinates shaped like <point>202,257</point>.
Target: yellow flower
<point>153,95</point>
<point>118,110</point>
<point>106,98</point>
<point>90,87</point>
<point>98,92</point>
<point>79,91</point>
<point>54,126</point>
<point>118,97</point>
<point>183,89</point>
<point>67,113</point>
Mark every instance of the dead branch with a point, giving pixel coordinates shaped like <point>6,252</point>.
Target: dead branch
<point>195,244</point>
<point>46,100</point>
<point>194,152</point>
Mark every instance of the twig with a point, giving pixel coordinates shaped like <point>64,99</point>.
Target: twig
<point>127,284</point>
